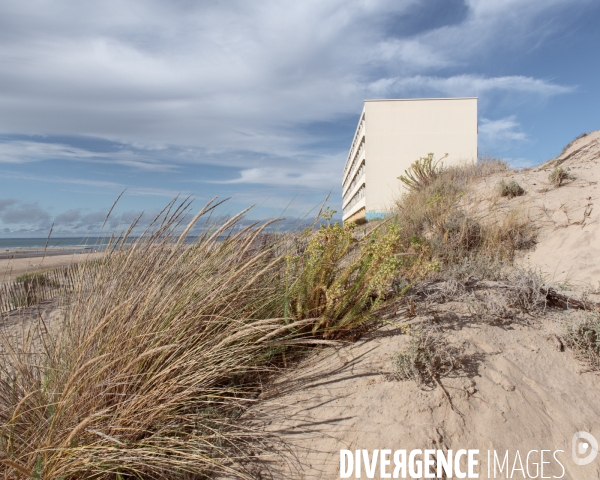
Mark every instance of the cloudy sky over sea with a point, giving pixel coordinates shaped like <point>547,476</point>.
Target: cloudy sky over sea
<point>258,101</point>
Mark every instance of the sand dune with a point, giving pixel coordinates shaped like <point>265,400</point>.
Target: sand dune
<point>568,217</point>
<point>516,391</point>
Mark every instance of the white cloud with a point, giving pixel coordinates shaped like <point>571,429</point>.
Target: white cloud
<point>230,83</point>
<point>281,177</point>
<point>22,151</point>
<point>111,188</point>
<point>504,129</point>
<point>467,86</point>
<point>228,76</point>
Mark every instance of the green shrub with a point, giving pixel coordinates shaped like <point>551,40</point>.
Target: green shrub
<point>338,280</point>
<point>421,173</point>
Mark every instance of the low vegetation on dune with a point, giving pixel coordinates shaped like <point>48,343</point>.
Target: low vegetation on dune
<point>559,176</point>
<point>162,345</point>
<point>426,358</point>
<point>584,339</point>
<point>510,189</point>
<point>440,218</point>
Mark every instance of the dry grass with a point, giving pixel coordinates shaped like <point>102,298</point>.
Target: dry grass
<point>584,340</point>
<point>559,175</point>
<point>162,346</point>
<point>510,189</point>
<point>515,295</point>
<point>442,220</point>
<point>426,358</point>
<point>152,366</point>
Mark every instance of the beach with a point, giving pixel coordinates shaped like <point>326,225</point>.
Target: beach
<point>14,263</point>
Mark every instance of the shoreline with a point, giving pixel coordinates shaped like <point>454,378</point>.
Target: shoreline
<point>21,253</point>
<point>13,267</point>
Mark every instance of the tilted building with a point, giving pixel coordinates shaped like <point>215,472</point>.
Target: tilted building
<point>390,136</point>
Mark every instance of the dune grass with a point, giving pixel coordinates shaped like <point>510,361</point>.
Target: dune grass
<point>441,219</point>
<point>161,348</point>
<point>162,345</point>
<point>584,339</point>
<point>559,176</point>
<point>510,189</point>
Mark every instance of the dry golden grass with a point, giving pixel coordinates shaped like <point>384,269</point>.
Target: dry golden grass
<point>559,175</point>
<point>152,365</point>
<point>444,221</point>
<point>162,345</point>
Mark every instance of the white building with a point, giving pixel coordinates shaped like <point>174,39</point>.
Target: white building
<point>390,136</point>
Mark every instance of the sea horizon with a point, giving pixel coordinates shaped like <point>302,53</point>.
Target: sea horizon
<point>97,243</point>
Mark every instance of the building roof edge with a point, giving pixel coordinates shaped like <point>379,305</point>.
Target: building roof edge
<point>417,99</point>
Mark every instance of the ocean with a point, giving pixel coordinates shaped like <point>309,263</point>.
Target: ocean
<point>71,243</point>
<point>59,242</point>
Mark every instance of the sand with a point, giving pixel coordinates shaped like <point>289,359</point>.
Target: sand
<point>568,217</point>
<point>517,390</point>
<point>12,268</point>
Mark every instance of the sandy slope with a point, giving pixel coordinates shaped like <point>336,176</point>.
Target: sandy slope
<point>516,392</point>
<point>568,217</point>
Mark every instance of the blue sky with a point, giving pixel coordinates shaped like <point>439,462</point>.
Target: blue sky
<point>258,101</point>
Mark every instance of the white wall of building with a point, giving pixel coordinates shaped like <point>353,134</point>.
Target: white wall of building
<point>398,132</point>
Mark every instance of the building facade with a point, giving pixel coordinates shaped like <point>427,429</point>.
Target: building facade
<point>390,136</point>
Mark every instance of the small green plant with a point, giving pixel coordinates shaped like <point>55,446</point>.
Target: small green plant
<point>584,340</point>
<point>338,280</point>
<point>510,189</point>
<point>421,173</point>
<point>426,358</point>
<point>559,175</point>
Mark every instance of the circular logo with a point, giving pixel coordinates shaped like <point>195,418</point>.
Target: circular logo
<point>584,444</point>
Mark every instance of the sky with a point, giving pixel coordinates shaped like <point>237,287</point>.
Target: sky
<point>258,101</point>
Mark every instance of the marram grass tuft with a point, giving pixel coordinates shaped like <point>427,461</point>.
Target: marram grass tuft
<point>160,348</point>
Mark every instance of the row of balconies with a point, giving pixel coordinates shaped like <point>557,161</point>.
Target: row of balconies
<point>355,161</point>
<point>358,196</point>
<point>357,176</point>
<point>357,136</point>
